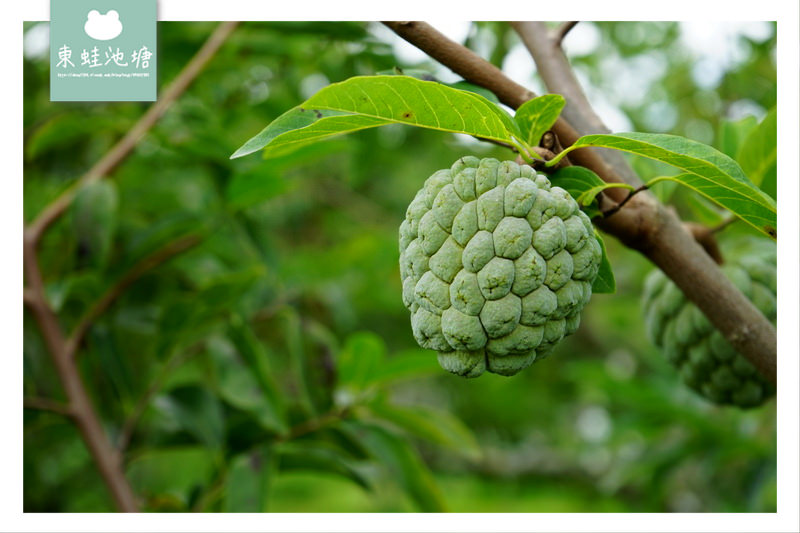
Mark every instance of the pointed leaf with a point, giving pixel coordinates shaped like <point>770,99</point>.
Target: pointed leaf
<point>369,101</point>
<point>301,126</point>
<point>715,175</point>
<point>538,115</point>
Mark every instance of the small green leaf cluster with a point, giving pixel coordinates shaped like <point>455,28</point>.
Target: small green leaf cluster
<point>704,358</point>
<point>496,264</point>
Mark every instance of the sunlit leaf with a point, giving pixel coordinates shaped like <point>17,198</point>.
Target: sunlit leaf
<point>369,101</point>
<point>301,126</point>
<point>538,115</point>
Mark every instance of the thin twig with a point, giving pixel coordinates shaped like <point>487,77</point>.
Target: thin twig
<point>562,31</point>
<point>47,404</point>
<point>125,146</point>
<point>607,213</point>
<point>724,224</point>
<point>150,262</point>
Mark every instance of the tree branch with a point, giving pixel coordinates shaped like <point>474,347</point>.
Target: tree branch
<point>47,404</point>
<point>125,146</point>
<point>150,262</point>
<point>705,236</point>
<point>83,413</point>
<point>645,224</point>
<point>562,31</point>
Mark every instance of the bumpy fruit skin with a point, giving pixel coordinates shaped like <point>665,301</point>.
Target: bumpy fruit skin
<point>496,266</point>
<point>705,360</point>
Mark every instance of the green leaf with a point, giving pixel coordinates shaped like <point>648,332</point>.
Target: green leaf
<point>255,356</point>
<point>576,181</point>
<point>360,359</point>
<point>173,472</point>
<point>731,135</point>
<point>427,75</point>
<point>604,283</point>
<point>438,427</point>
<point>402,461</point>
<point>758,154</point>
<point>248,480</point>
<point>94,220</point>
<point>709,172</point>
<point>303,125</point>
<point>538,115</point>
<point>369,101</point>
<point>318,456</point>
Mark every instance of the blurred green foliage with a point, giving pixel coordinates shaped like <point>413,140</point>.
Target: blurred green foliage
<point>272,367</point>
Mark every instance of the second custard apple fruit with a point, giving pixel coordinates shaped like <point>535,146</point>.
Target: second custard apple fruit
<point>705,359</point>
<point>496,264</point>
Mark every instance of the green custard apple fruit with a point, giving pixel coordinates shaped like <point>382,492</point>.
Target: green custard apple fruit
<point>705,360</point>
<point>496,264</point>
